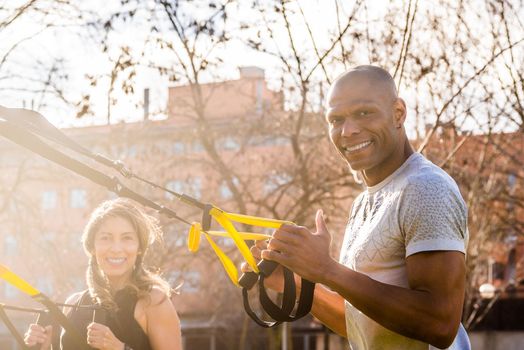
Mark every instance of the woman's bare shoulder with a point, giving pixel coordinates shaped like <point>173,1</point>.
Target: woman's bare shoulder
<point>155,297</point>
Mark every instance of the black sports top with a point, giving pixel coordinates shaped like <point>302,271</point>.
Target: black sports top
<point>122,322</point>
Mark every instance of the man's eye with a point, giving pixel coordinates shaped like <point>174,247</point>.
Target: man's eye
<point>336,120</point>
<point>363,113</point>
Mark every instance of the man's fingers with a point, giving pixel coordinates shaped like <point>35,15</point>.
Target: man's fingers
<point>255,250</point>
<point>290,228</point>
<point>287,237</point>
<point>281,246</point>
<point>260,244</point>
<point>274,255</point>
<point>244,267</point>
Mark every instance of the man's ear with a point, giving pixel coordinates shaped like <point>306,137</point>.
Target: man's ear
<point>399,112</point>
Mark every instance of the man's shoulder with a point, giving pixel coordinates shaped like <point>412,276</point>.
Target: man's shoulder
<point>423,175</point>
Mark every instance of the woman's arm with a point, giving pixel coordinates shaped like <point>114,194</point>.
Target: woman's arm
<point>162,322</point>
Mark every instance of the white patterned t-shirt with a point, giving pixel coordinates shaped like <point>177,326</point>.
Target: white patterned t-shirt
<point>417,208</point>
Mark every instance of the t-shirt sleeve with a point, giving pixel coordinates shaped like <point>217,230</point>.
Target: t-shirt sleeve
<point>433,216</point>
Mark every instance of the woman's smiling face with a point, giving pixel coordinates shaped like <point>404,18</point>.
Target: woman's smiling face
<point>116,249</point>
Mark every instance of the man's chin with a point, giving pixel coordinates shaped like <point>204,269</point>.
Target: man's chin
<point>356,165</point>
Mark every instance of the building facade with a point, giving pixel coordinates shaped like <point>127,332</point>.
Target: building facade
<point>218,145</point>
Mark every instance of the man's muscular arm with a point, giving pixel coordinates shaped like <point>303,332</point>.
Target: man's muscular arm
<point>429,310</point>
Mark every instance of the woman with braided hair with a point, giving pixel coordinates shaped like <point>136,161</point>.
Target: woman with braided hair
<point>138,311</point>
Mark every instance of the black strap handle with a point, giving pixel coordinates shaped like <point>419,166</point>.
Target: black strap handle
<point>283,313</point>
<point>43,319</point>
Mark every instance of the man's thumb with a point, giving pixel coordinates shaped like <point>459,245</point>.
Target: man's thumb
<point>320,223</point>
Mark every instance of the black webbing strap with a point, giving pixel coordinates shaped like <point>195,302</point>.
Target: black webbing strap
<point>62,320</point>
<point>100,315</point>
<point>30,141</point>
<point>37,124</point>
<point>11,327</point>
<point>288,298</point>
<point>283,313</point>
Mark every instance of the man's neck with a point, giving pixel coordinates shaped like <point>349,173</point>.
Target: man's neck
<point>375,176</point>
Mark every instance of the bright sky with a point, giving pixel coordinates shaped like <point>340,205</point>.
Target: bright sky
<point>84,57</point>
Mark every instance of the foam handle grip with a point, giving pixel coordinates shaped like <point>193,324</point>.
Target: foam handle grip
<point>249,279</point>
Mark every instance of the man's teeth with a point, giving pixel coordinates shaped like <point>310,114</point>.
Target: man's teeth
<point>115,260</point>
<point>357,147</point>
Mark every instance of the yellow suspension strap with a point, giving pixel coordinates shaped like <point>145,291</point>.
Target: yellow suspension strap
<point>24,135</point>
<point>279,313</point>
<point>55,313</point>
<point>225,220</point>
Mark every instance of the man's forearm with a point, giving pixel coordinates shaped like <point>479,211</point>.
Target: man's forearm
<point>415,313</point>
<point>328,308</point>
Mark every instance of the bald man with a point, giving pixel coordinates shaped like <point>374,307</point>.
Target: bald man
<point>400,280</point>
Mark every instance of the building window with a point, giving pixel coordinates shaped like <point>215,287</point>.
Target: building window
<point>264,141</point>
<point>189,280</point>
<point>179,241</point>
<point>49,199</point>
<point>132,151</point>
<point>10,292</point>
<point>512,182</point>
<point>225,191</point>
<point>260,90</point>
<point>78,198</point>
<point>176,235</point>
<point>197,146</point>
<point>48,242</point>
<point>192,187</point>
<point>227,242</point>
<point>178,148</point>
<point>10,245</point>
<point>275,181</point>
<point>44,285</point>
<point>229,144</point>
<point>175,186</point>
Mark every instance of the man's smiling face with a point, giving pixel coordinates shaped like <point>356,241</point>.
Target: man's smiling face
<point>362,120</point>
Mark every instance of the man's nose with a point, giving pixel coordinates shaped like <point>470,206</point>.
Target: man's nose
<point>350,127</point>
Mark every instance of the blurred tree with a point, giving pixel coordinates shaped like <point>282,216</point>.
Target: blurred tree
<point>459,66</point>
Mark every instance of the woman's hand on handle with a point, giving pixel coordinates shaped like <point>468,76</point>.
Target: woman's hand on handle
<point>101,337</point>
<point>37,334</point>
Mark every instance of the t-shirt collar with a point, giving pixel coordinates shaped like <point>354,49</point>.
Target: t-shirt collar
<point>381,184</point>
